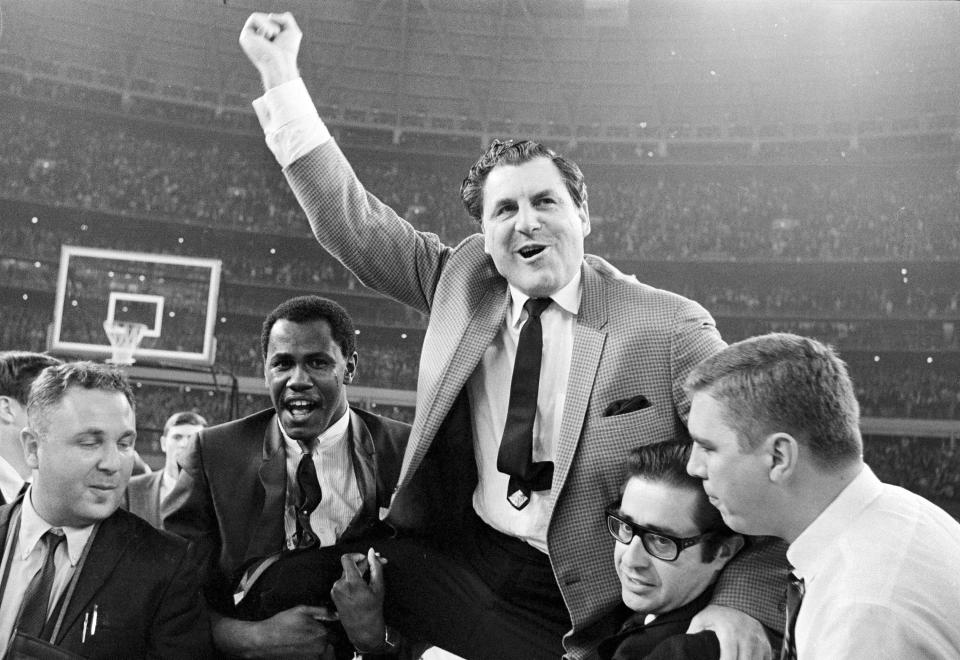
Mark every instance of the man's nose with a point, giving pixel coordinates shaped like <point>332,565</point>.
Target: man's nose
<point>636,554</point>
<point>299,378</point>
<point>528,219</point>
<point>110,458</point>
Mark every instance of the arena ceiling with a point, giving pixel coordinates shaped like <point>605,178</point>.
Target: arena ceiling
<point>636,62</point>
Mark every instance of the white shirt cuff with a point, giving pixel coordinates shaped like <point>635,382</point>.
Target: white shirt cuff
<point>290,121</point>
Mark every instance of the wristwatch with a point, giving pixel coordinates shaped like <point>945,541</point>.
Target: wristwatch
<point>390,644</point>
<point>391,638</point>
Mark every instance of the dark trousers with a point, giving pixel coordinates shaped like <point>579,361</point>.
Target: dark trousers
<point>480,595</point>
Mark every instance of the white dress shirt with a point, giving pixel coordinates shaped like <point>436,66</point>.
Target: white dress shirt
<point>338,482</point>
<point>25,554</point>
<point>881,571</point>
<point>293,128</point>
<point>489,389</point>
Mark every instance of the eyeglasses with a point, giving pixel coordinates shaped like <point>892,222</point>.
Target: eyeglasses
<point>660,545</point>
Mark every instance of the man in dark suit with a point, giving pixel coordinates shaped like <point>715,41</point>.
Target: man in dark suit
<point>671,547</point>
<point>78,572</point>
<point>17,371</point>
<point>146,491</point>
<point>611,367</point>
<point>237,495</point>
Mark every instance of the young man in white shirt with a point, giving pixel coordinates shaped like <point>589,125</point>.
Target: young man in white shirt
<point>777,443</point>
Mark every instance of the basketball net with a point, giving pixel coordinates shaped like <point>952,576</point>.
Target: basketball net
<point>124,338</point>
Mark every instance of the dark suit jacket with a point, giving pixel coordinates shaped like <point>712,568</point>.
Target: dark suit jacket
<point>145,590</point>
<point>143,497</point>
<point>629,340</point>
<point>230,496</point>
<point>664,638</point>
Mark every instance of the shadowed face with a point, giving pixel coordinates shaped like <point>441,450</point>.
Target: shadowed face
<point>651,585</point>
<point>173,442</point>
<point>306,371</point>
<point>735,480</point>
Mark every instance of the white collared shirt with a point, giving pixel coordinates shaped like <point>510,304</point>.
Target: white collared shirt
<point>881,572</point>
<point>489,389</point>
<point>27,558</point>
<point>338,482</point>
<point>10,481</point>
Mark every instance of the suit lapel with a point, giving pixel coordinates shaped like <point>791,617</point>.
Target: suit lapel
<point>589,336</point>
<point>273,479</point>
<point>364,465</point>
<point>109,545</point>
<point>464,348</point>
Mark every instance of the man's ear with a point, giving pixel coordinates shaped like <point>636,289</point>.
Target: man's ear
<point>7,410</point>
<point>30,440</point>
<point>783,451</point>
<point>351,368</point>
<point>584,213</point>
<point>728,549</point>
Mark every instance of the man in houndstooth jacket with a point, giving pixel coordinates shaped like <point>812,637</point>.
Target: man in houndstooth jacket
<point>494,581</point>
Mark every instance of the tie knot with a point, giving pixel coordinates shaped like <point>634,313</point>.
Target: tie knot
<point>53,537</point>
<point>535,306</point>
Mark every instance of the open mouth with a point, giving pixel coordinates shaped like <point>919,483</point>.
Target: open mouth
<point>300,409</point>
<point>530,251</point>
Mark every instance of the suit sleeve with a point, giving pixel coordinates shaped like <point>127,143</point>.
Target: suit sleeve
<point>384,251</point>
<point>695,338</point>
<point>188,512</point>
<point>181,627</point>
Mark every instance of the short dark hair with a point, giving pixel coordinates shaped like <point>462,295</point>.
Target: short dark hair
<point>303,309</point>
<point>517,152</point>
<point>186,417</point>
<point>787,383</point>
<point>17,371</point>
<point>666,462</point>
<point>51,385</point>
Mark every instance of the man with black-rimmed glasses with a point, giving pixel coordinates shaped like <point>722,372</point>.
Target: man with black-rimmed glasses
<point>671,545</point>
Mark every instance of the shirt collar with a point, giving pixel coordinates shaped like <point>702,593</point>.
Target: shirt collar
<point>10,481</point>
<point>32,527</point>
<point>568,298</point>
<point>333,434</point>
<point>807,553</point>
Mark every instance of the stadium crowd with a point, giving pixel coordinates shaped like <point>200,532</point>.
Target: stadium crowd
<point>213,181</point>
<point>706,213</point>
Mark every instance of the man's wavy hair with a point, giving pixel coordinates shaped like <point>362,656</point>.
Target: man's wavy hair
<point>50,387</point>
<point>517,152</point>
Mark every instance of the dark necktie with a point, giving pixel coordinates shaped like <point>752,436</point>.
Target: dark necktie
<point>33,613</point>
<point>516,448</point>
<point>795,592</point>
<point>308,497</point>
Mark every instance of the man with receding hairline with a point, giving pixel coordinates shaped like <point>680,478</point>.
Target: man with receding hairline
<point>777,444</point>
<point>78,572</point>
<point>541,366</point>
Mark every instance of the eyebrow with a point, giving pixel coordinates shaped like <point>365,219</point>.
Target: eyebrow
<point>700,441</point>
<point>653,528</point>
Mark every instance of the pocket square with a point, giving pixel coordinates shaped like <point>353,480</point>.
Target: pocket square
<point>624,406</point>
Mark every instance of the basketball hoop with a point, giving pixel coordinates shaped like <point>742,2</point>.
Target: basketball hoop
<point>124,338</point>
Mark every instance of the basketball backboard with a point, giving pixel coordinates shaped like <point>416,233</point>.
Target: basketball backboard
<point>174,297</point>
